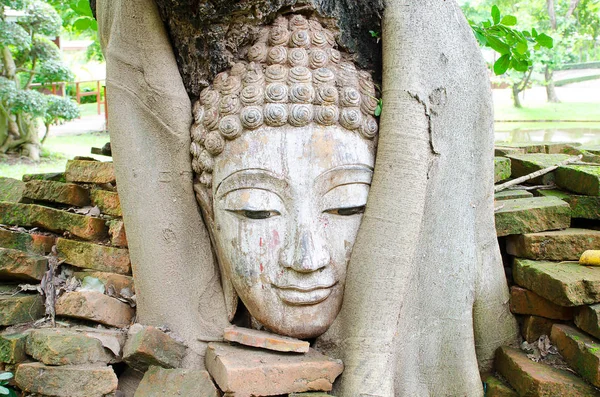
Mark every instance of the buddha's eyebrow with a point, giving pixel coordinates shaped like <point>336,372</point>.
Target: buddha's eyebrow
<point>343,175</point>
<point>251,178</point>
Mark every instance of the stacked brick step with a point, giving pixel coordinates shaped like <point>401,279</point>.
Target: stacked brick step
<point>543,229</point>
<point>78,213</point>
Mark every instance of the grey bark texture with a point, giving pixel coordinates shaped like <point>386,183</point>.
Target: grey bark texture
<point>426,298</point>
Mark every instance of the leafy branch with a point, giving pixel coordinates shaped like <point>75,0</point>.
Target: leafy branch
<point>513,45</point>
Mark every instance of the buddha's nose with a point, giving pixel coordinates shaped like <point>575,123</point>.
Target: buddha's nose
<point>306,252</point>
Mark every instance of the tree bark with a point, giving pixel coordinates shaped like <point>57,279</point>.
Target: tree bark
<point>572,7</point>
<point>551,13</point>
<point>550,89</point>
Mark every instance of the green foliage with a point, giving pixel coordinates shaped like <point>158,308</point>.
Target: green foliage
<point>41,18</point>
<point>4,390</point>
<point>513,45</point>
<point>59,109</point>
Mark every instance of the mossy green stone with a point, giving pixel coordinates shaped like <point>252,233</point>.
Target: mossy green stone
<point>21,266</point>
<point>19,241</point>
<point>90,171</point>
<point>12,348</point>
<point>51,176</point>
<point>579,350</point>
<point>20,308</point>
<point>564,283</point>
<point>11,189</point>
<point>557,245</point>
<point>494,387</point>
<point>501,169</point>
<point>33,215</point>
<point>525,164</point>
<point>512,194</point>
<point>584,207</point>
<point>530,215</point>
<point>582,179</point>
<point>56,192</point>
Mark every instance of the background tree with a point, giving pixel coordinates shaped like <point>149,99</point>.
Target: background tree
<point>29,56</point>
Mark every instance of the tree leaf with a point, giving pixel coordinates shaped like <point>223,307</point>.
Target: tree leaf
<point>498,45</point>
<point>496,14</point>
<point>379,108</point>
<point>521,47</point>
<point>82,23</point>
<point>6,375</point>
<point>509,20</point>
<point>534,32</point>
<point>502,64</point>
<point>520,65</point>
<point>4,391</point>
<point>544,40</point>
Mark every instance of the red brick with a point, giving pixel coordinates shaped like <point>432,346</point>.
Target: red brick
<point>533,327</point>
<point>115,281</point>
<point>94,306</point>
<point>147,346</point>
<point>18,265</point>
<point>579,350</point>
<point>160,382</point>
<point>265,340</point>
<point>90,171</point>
<point>94,256</point>
<point>107,202</point>
<point>57,192</point>
<point>118,238</point>
<point>523,301</point>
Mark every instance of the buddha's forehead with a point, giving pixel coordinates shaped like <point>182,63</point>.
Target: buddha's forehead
<point>292,152</point>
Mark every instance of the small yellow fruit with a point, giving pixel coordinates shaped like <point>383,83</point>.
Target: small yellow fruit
<point>590,258</point>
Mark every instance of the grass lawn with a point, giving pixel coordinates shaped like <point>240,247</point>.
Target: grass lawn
<point>55,153</point>
<point>89,109</point>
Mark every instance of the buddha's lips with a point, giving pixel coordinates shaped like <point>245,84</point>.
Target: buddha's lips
<point>303,295</point>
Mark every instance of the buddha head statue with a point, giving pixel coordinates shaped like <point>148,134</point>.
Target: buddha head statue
<point>283,151</point>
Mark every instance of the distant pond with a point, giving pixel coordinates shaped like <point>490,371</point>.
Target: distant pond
<point>585,136</point>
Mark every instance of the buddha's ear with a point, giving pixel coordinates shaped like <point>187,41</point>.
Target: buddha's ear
<point>205,199</point>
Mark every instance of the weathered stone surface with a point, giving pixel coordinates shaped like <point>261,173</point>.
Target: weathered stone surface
<point>57,192</point>
<point>116,230</point>
<point>310,394</point>
<point>512,194</point>
<point>32,215</point>
<point>566,284</point>
<point>587,319</point>
<point>505,150</point>
<point>110,280</point>
<point>33,243</point>
<point>523,301</point>
<point>585,207</point>
<point>540,147</point>
<point>265,340</point>
<point>11,189</point>
<point>51,176</point>
<point>579,350</point>
<point>533,327</point>
<point>148,346</point>
<point>494,387</point>
<point>582,179</point>
<point>524,164</point>
<point>530,215</point>
<point>559,245</point>
<point>19,265</point>
<point>66,380</point>
<point>12,347</point>
<point>501,168</point>
<point>94,256</point>
<point>160,382</point>
<point>529,378</point>
<point>246,371</point>
<point>90,171</point>
<point>108,202</point>
<point>20,308</point>
<point>60,346</point>
<point>94,306</point>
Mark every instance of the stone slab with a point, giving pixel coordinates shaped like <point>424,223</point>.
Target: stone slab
<point>116,230</point>
<point>33,243</point>
<point>494,387</point>
<point>147,346</point>
<point>579,350</point>
<point>20,266</point>
<point>505,150</point>
<point>566,284</point>
<point>161,382</point>
<point>84,171</point>
<point>117,282</point>
<point>94,306</point>
<point>587,319</point>
<point>533,327</point>
<point>530,215</point>
<point>66,380</point>
<point>12,347</point>
<point>11,189</point>
<point>33,215</point>
<point>525,164</point>
<point>50,176</point>
<point>264,340</point>
<point>56,192</point>
<point>21,308</point>
<point>523,301</point>
<point>501,169</point>
<point>540,147</point>
<point>584,207</point>
<point>558,245</point>
<point>94,256</point>
<point>108,202</point>
<point>60,346</point>
<point>582,179</point>
<point>529,378</point>
<point>509,194</point>
<point>245,371</point>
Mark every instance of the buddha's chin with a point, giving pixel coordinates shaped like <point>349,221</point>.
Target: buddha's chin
<point>301,317</point>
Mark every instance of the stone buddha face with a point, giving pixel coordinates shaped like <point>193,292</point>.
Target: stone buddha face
<point>284,154</point>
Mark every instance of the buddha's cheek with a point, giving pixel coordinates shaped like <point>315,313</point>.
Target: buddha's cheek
<point>340,234</point>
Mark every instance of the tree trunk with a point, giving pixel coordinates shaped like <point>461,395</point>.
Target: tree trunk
<point>550,89</point>
<point>46,134</point>
<point>551,13</point>
<point>515,95</point>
